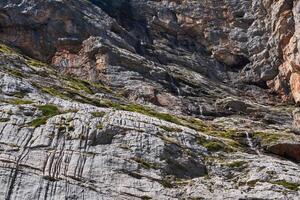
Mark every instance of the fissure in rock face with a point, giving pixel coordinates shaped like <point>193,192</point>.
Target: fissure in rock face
<point>149,99</point>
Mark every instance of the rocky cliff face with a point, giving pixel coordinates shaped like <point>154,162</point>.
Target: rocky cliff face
<point>142,99</point>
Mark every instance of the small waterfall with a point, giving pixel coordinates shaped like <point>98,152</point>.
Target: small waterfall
<point>175,86</point>
<point>250,144</point>
<point>216,107</point>
<point>201,110</point>
<point>178,91</point>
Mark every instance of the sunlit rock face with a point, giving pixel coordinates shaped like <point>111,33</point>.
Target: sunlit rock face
<point>149,99</point>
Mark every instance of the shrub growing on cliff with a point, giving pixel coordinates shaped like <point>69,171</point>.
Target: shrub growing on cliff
<point>48,111</point>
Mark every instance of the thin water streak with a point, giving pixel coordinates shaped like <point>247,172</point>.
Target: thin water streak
<point>175,86</point>
<point>250,144</point>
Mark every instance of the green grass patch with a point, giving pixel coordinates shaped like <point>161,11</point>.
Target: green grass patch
<point>34,63</point>
<point>166,183</point>
<point>48,111</point>
<point>288,185</point>
<point>15,73</point>
<point>80,85</point>
<point>170,129</point>
<point>20,101</point>
<point>150,112</point>
<point>29,61</point>
<point>213,145</point>
<point>100,126</point>
<point>86,86</point>
<point>101,87</point>
<point>4,119</point>
<point>268,138</point>
<point>53,91</point>
<point>38,122</point>
<point>6,49</point>
<point>197,125</point>
<point>98,114</point>
<point>143,110</point>
<point>72,94</point>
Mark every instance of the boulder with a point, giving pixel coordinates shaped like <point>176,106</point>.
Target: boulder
<point>289,150</point>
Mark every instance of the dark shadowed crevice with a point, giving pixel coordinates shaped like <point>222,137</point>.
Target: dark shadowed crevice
<point>173,85</point>
<point>260,84</point>
<point>240,63</point>
<point>121,10</point>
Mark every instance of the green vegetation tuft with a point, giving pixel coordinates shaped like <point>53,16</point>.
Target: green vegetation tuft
<point>20,101</point>
<point>145,164</point>
<point>73,93</point>
<point>38,122</point>
<point>4,119</point>
<point>146,197</point>
<point>101,87</point>
<point>197,125</point>
<point>79,85</point>
<point>100,126</point>
<point>76,84</point>
<point>14,72</point>
<point>6,50</point>
<point>48,111</point>
<point>288,185</point>
<point>34,63</point>
<point>213,145</point>
<point>267,138</point>
<point>98,114</point>
<point>134,175</point>
<point>143,110</point>
<point>170,129</point>
<point>53,91</point>
<point>237,164</point>
<point>166,183</point>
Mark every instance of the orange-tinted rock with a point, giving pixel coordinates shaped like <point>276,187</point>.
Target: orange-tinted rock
<point>166,100</point>
<point>286,150</point>
<point>295,86</point>
<point>288,78</point>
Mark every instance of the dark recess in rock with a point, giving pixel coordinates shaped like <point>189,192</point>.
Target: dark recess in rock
<point>241,62</point>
